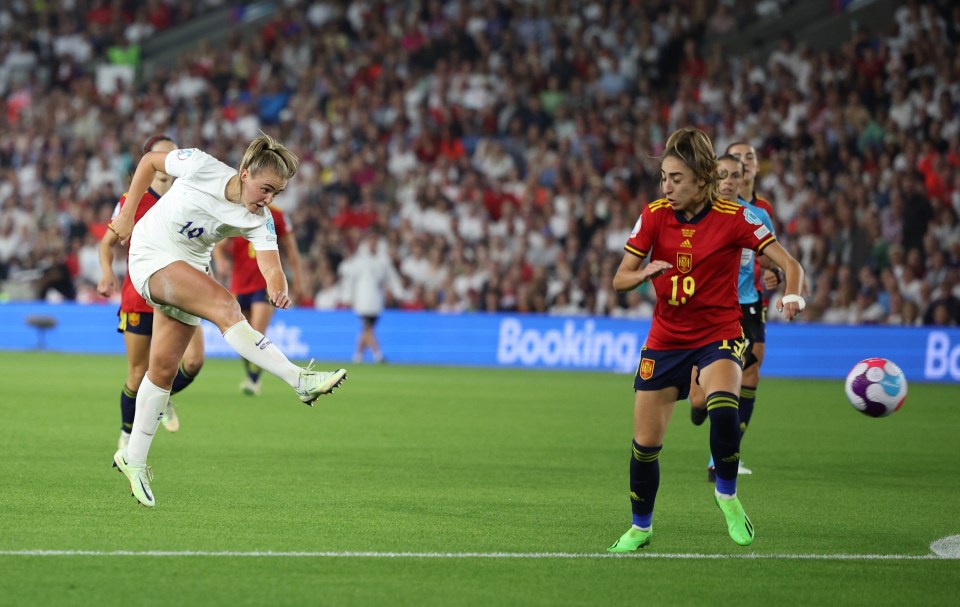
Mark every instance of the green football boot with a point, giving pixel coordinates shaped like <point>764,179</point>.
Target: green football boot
<point>738,523</point>
<point>632,540</point>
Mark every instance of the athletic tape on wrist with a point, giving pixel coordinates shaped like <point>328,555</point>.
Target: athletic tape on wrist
<point>792,299</point>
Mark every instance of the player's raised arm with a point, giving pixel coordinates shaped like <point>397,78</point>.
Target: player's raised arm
<point>107,284</point>
<point>150,164</point>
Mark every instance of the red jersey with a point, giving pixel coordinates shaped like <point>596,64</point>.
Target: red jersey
<point>697,299</point>
<point>246,274</point>
<point>130,300</point>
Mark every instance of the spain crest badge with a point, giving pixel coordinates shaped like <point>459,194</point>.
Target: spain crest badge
<point>646,368</point>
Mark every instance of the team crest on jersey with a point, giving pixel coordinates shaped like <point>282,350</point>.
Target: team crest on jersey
<point>184,154</point>
<point>636,227</point>
<point>133,319</point>
<point>646,368</point>
<point>684,262</point>
<point>751,217</point>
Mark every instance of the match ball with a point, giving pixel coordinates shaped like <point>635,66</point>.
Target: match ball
<point>876,387</point>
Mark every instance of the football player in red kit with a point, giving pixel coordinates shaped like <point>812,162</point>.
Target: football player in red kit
<point>692,240</point>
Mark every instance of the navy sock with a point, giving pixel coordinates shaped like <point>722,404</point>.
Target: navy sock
<point>128,408</point>
<point>253,371</point>
<point>748,397</point>
<point>644,482</point>
<point>724,437</point>
<point>182,380</point>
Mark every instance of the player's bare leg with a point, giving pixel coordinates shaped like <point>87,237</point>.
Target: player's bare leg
<point>195,292</point>
<point>188,370</point>
<point>170,340</point>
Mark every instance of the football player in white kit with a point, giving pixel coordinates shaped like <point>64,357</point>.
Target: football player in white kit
<point>169,266</point>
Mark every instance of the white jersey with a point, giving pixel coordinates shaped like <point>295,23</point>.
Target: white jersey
<point>192,217</point>
<point>367,277</point>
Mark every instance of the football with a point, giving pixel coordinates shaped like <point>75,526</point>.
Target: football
<point>876,387</point>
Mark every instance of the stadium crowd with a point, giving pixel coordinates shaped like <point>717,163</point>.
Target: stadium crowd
<point>503,149</point>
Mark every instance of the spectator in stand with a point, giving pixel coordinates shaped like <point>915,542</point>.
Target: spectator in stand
<point>348,99</point>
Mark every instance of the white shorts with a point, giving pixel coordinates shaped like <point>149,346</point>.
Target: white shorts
<point>144,265</point>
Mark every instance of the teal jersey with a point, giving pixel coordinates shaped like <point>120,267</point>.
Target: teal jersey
<point>746,284</point>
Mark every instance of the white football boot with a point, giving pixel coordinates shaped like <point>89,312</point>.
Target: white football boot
<point>314,384</point>
<point>139,477</point>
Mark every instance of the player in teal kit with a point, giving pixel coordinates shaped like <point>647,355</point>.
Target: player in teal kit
<point>751,304</point>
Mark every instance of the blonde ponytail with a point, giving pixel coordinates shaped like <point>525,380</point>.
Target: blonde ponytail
<point>266,153</point>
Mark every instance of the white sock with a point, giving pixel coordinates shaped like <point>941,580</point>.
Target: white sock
<point>644,529</point>
<point>151,403</point>
<point>255,347</point>
<point>724,496</point>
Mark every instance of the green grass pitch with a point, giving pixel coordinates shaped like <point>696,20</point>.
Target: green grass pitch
<point>421,462</point>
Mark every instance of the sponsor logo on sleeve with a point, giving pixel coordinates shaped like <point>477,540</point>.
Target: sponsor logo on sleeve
<point>184,154</point>
<point>761,232</point>
<point>636,227</point>
<point>271,227</point>
<point>751,217</point>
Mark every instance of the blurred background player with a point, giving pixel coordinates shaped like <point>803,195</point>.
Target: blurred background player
<point>237,257</point>
<point>136,315</point>
<point>754,313</point>
<point>693,240</point>
<point>368,275</point>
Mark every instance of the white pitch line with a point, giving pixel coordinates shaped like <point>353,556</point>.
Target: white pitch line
<point>484,555</point>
